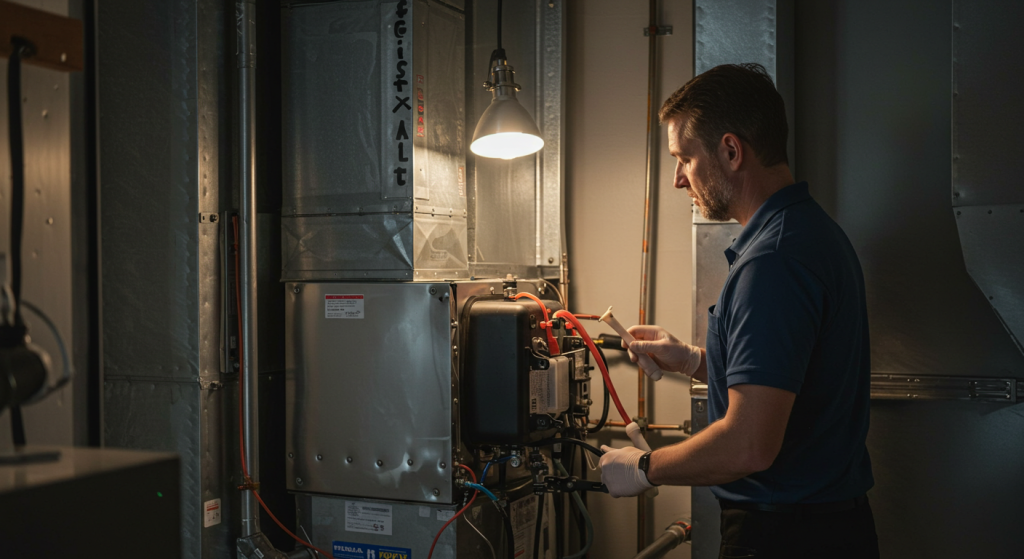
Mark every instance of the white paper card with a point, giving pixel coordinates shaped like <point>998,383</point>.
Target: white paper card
<point>371,518</point>
<point>211,513</point>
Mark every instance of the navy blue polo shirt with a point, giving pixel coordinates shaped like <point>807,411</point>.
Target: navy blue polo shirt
<point>793,315</point>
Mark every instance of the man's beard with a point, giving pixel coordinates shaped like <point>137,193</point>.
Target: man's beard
<point>717,193</point>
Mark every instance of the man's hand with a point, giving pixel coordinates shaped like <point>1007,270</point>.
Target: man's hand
<point>620,471</point>
<point>667,351</point>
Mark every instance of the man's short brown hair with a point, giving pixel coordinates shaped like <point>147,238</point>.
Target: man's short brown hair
<point>736,98</point>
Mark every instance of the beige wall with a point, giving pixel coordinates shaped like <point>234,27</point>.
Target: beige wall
<point>606,147</point>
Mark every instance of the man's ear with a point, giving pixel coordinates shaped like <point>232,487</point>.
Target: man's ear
<point>731,152</point>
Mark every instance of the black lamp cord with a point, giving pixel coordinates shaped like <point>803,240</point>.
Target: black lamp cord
<point>14,334</point>
<point>498,52</point>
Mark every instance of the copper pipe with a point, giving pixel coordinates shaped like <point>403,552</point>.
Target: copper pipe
<point>650,206</point>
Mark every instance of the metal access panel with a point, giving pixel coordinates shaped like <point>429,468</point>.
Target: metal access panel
<point>373,140</point>
<point>369,390</point>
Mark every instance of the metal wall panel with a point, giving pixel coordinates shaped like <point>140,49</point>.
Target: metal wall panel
<point>878,160</point>
<point>374,140</point>
<point>987,186</point>
<point>369,400</point>
<point>46,243</point>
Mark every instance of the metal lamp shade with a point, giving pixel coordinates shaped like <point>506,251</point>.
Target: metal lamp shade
<point>506,131</point>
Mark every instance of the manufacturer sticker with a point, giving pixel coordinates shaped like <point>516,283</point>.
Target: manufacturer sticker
<point>211,513</point>
<point>352,550</point>
<point>540,395</point>
<point>343,306</point>
<point>371,518</point>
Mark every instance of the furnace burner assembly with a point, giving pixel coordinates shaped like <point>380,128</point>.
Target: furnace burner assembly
<point>448,441</point>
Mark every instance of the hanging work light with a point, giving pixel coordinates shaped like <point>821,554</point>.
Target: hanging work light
<point>505,130</point>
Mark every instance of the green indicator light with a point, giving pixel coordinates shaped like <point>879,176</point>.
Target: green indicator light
<point>159,494</point>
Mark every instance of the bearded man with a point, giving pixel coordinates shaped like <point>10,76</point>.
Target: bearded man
<point>787,361</point>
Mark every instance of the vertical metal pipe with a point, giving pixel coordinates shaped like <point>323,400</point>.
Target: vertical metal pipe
<point>650,206</point>
<point>245,21</point>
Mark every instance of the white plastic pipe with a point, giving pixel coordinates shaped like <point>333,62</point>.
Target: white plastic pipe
<point>649,366</point>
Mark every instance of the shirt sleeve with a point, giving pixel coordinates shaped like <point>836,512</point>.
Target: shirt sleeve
<point>772,322</point>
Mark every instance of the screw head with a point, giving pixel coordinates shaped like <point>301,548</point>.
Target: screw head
<point>551,260</point>
<point>298,481</point>
<point>433,291</point>
<point>349,459</point>
<point>291,455</point>
<point>437,492</point>
<point>409,462</point>
<point>443,465</point>
<point>380,462</point>
<point>295,289</point>
<point>319,456</point>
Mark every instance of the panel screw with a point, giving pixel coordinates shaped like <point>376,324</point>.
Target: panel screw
<point>443,465</point>
<point>63,57</point>
<point>551,260</point>
<point>319,456</point>
<point>455,400</point>
<point>433,291</point>
<point>296,289</point>
<point>380,462</point>
<point>409,462</point>
<point>291,455</point>
<point>298,481</point>
<point>349,459</point>
<point>49,220</point>
<point>437,492</point>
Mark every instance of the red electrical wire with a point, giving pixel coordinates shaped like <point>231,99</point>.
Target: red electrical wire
<point>462,510</point>
<point>552,342</point>
<point>241,390</point>
<point>597,357</point>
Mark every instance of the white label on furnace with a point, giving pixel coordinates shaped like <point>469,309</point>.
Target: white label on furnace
<point>211,513</point>
<point>372,518</point>
<point>445,515</point>
<point>343,306</point>
<point>539,393</point>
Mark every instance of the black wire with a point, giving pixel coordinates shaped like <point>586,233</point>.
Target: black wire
<point>510,534</point>
<point>21,49</point>
<point>577,442</point>
<point>537,529</point>
<point>499,24</point>
<point>607,396</point>
<point>16,139</point>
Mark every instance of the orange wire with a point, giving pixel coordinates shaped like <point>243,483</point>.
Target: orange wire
<point>597,356</point>
<point>241,385</point>
<point>552,342</point>
<point>462,510</point>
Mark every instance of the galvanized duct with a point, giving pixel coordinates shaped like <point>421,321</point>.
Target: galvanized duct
<point>162,109</point>
<point>988,197</point>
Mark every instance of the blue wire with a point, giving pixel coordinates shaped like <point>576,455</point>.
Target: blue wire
<point>481,489</point>
<point>483,476</point>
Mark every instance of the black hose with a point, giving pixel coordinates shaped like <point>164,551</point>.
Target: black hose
<point>20,49</point>
<point>607,396</point>
<point>537,528</point>
<point>576,442</point>
<point>510,534</point>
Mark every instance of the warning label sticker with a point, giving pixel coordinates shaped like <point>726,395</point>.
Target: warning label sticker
<point>211,513</point>
<point>343,306</point>
<point>539,392</point>
<point>372,518</point>
<point>352,550</point>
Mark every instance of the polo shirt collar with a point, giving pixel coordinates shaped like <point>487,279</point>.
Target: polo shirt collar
<point>782,199</point>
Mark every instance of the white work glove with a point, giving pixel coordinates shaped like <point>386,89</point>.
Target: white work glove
<point>667,351</point>
<point>620,471</point>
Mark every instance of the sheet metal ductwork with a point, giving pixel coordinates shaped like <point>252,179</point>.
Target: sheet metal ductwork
<point>988,191</point>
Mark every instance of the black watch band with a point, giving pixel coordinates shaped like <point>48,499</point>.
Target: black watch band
<point>644,464</point>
